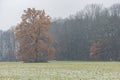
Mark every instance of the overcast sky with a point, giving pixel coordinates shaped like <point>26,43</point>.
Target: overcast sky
<point>11,10</point>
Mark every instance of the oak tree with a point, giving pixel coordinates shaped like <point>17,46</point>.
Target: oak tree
<point>33,37</point>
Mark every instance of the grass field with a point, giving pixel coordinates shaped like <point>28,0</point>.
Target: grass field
<point>58,70</point>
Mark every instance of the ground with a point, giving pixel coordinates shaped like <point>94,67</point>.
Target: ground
<point>60,70</point>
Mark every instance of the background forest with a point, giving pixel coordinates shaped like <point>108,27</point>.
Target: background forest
<point>91,34</point>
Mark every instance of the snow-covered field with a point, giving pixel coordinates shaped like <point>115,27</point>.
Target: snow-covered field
<point>60,70</point>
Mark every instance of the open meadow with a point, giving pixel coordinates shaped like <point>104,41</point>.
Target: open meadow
<point>60,70</point>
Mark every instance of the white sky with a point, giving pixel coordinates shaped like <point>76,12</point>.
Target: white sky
<point>11,10</point>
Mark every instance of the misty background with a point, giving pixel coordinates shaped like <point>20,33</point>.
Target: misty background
<point>11,10</point>
<point>83,30</point>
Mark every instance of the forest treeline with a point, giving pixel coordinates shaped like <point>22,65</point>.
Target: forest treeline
<point>91,34</point>
<point>7,45</point>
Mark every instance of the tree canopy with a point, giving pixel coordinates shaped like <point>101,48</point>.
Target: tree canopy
<point>34,39</point>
